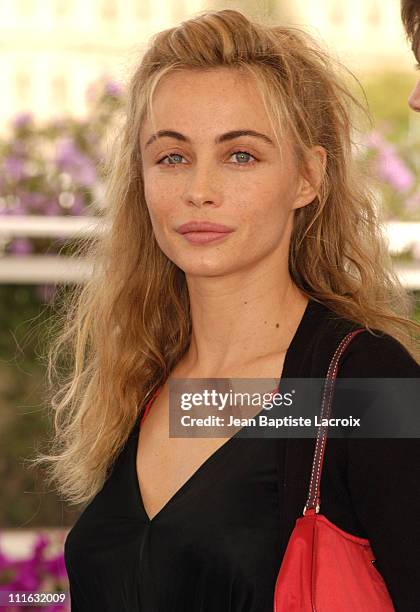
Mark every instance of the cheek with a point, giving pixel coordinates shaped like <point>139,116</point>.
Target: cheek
<point>160,202</point>
<point>264,216</point>
<point>270,201</point>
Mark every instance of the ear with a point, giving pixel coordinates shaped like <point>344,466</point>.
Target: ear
<point>311,177</point>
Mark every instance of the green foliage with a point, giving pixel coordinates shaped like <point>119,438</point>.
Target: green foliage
<point>24,414</point>
<point>387,94</point>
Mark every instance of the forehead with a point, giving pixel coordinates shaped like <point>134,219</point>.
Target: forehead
<point>204,99</point>
<point>206,77</point>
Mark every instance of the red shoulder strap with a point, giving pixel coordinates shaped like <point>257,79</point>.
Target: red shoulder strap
<point>313,501</point>
<point>149,403</point>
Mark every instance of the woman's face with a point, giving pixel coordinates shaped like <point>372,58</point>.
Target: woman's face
<point>201,168</point>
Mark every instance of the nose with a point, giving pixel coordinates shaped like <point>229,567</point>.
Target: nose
<point>414,99</point>
<point>200,186</point>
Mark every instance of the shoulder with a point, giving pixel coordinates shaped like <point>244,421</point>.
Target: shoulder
<point>372,353</point>
<point>377,354</point>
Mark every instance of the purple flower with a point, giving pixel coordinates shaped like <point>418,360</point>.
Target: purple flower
<point>19,148</point>
<point>15,207</point>
<point>392,169</point>
<point>52,208</point>
<point>31,200</point>
<point>374,140</point>
<point>70,159</point>
<point>112,88</point>
<point>39,203</point>
<point>56,566</point>
<point>22,120</point>
<point>15,167</point>
<point>27,577</point>
<point>3,560</point>
<point>20,246</point>
<point>40,544</point>
<point>36,573</point>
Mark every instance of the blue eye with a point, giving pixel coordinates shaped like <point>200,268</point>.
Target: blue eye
<point>242,153</point>
<point>174,159</point>
<point>171,157</point>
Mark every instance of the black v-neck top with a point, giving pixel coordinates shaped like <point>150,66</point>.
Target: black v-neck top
<point>218,543</point>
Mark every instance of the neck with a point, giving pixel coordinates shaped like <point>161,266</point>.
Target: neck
<point>241,318</point>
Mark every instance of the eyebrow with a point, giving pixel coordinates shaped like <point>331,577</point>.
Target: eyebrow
<point>219,139</point>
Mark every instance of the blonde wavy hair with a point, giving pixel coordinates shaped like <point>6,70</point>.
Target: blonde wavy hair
<point>122,332</point>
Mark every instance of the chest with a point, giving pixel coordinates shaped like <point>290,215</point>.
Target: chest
<point>165,464</point>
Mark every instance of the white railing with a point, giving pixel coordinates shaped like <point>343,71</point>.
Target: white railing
<point>35,269</point>
<point>33,226</point>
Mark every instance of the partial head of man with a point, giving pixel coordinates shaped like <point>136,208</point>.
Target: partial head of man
<point>410,14</point>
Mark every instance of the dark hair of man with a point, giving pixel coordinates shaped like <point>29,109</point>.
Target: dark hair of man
<point>410,15</point>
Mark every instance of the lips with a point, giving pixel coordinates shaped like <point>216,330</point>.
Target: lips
<point>204,226</point>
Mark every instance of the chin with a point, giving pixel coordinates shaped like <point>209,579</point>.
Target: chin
<point>193,264</point>
<point>207,271</point>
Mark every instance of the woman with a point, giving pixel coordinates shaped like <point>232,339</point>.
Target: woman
<point>247,127</point>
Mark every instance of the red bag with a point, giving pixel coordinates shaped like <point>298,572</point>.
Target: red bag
<point>326,569</point>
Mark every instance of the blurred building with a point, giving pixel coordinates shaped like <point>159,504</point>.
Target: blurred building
<point>367,34</point>
<point>51,50</point>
